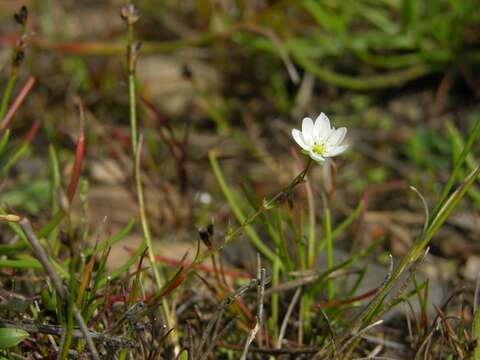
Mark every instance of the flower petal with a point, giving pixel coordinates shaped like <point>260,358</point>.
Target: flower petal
<point>307,130</point>
<point>337,136</point>
<point>316,157</point>
<point>322,127</point>
<point>336,150</point>
<point>297,136</point>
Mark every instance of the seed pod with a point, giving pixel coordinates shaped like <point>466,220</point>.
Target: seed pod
<point>205,237</point>
<point>22,16</point>
<point>132,55</point>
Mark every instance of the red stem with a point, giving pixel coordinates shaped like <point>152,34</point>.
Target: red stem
<point>16,104</point>
<point>79,154</point>
<point>200,267</point>
<point>27,139</point>
<point>336,303</point>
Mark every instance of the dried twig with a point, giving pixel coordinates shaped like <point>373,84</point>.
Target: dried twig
<point>385,343</point>
<point>284,325</point>
<point>191,344</point>
<point>332,335</point>
<point>215,339</point>
<point>258,324</point>
<point>359,334</point>
<point>272,351</point>
<point>40,254</point>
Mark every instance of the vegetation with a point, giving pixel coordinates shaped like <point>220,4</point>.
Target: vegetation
<point>130,135</point>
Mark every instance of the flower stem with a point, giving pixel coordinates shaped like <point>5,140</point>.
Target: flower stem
<point>132,56</point>
<point>143,215</point>
<point>131,90</point>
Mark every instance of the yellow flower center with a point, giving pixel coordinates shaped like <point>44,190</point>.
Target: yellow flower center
<point>319,149</point>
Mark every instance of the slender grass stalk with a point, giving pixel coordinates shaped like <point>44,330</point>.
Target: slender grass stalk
<point>21,151</point>
<point>306,303</point>
<point>311,226</point>
<point>8,92</point>
<point>131,91</point>
<point>472,139</point>
<point>275,298</point>
<point>283,245</point>
<point>130,15</point>
<point>299,243</point>
<point>329,242</point>
<point>17,57</point>
<point>55,187</point>
<point>4,141</point>
<point>143,216</point>
<point>476,333</point>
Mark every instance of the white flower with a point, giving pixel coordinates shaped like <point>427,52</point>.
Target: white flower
<point>320,140</point>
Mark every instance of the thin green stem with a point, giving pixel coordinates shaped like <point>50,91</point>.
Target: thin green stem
<point>275,298</point>
<point>472,139</point>
<point>299,244</point>
<point>311,227</point>
<point>132,54</point>
<point>16,60</point>
<point>131,90</point>
<point>143,216</point>
<point>8,93</point>
<point>329,242</point>
<point>55,186</point>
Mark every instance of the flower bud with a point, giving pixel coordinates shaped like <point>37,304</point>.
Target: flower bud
<point>130,14</point>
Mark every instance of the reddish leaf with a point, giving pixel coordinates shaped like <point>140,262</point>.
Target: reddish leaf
<point>16,104</point>
<point>27,139</point>
<point>80,152</point>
